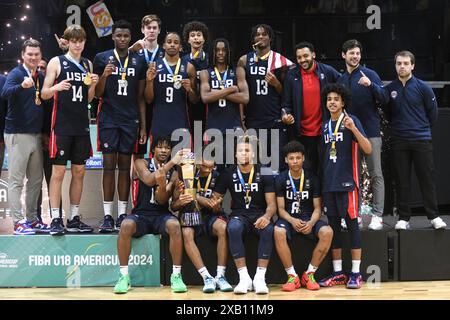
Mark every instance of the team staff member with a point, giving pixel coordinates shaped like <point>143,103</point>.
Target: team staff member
<point>367,92</point>
<point>23,127</point>
<point>413,110</point>
<point>302,101</point>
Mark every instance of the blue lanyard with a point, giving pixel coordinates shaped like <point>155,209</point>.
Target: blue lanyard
<point>153,54</point>
<point>241,179</point>
<point>177,68</point>
<point>294,189</point>
<point>82,68</point>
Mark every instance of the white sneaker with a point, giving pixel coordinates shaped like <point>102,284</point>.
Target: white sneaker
<point>260,286</point>
<point>343,224</point>
<point>438,223</point>
<point>402,225</point>
<point>376,223</point>
<point>243,286</point>
<point>210,285</point>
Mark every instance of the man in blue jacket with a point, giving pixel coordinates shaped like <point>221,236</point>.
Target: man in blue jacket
<point>302,101</point>
<point>23,127</point>
<point>413,110</point>
<point>367,92</point>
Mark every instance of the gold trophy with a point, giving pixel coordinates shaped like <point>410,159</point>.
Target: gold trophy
<point>190,214</point>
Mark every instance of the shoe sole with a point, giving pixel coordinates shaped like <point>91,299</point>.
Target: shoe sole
<point>24,234</point>
<point>209,291</point>
<point>179,291</point>
<point>74,230</point>
<point>122,292</point>
<point>225,289</point>
<point>106,230</point>
<point>57,233</point>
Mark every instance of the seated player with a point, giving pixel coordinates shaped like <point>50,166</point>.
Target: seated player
<point>151,214</point>
<point>299,208</point>
<point>214,224</point>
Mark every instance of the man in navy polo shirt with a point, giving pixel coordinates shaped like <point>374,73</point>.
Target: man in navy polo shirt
<point>23,127</point>
<point>413,110</point>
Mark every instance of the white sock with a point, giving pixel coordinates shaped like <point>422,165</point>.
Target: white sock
<point>54,212</point>
<point>221,271</point>
<point>122,207</point>
<point>337,265</point>
<point>243,273</point>
<point>311,268</point>
<point>204,273</point>
<point>107,208</point>
<point>176,269</point>
<point>355,266</point>
<point>124,270</point>
<point>260,273</point>
<point>74,210</point>
<point>291,270</point>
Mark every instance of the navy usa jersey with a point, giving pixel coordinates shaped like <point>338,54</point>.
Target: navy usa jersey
<point>341,170</point>
<point>150,56</point>
<point>264,107</point>
<point>261,184</point>
<point>209,191</point>
<point>311,190</point>
<point>146,202</point>
<point>70,108</point>
<point>223,114</point>
<point>120,102</point>
<point>170,103</point>
<point>200,63</point>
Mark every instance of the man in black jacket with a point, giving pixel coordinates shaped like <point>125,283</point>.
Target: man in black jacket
<point>303,108</point>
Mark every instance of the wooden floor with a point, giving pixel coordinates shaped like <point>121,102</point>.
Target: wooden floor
<point>423,290</point>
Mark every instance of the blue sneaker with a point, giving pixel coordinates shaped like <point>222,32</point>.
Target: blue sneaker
<point>355,281</point>
<point>223,284</point>
<point>23,227</point>
<point>336,278</point>
<point>210,285</point>
<point>39,227</point>
<point>57,227</point>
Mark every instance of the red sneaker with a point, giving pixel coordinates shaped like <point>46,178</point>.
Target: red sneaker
<point>309,282</point>
<point>292,283</point>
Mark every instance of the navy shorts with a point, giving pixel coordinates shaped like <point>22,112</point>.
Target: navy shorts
<point>207,227</point>
<point>341,204</point>
<point>290,231</point>
<point>117,139</point>
<point>76,149</point>
<point>150,224</point>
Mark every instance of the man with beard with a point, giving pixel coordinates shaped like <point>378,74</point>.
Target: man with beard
<point>302,101</point>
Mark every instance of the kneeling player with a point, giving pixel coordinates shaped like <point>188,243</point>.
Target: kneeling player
<point>342,134</point>
<point>214,224</point>
<point>151,213</point>
<point>299,208</point>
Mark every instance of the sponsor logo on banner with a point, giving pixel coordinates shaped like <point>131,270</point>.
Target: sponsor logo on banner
<point>101,18</point>
<point>7,262</point>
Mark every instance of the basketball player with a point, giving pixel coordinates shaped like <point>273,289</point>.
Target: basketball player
<point>343,135</point>
<point>121,115</point>
<point>170,82</point>
<point>151,214</point>
<point>70,81</point>
<point>253,206</point>
<point>299,209</point>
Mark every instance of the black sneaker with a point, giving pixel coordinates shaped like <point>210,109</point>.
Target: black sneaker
<point>119,221</point>
<point>57,227</point>
<point>76,225</point>
<point>107,225</point>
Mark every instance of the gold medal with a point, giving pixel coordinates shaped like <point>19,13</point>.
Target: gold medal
<point>88,80</point>
<point>333,152</point>
<point>37,101</point>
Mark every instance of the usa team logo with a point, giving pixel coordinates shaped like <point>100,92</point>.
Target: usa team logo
<point>61,152</point>
<point>288,183</point>
<point>65,63</point>
<point>106,145</point>
<point>394,94</point>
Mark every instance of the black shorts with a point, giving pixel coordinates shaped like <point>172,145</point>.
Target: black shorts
<point>76,149</point>
<point>206,229</point>
<point>290,231</point>
<point>341,204</point>
<point>150,224</point>
<point>117,139</point>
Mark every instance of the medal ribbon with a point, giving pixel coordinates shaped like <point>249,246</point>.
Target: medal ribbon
<point>83,68</point>
<point>147,59</point>
<point>302,180</point>
<point>125,66</point>
<point>177,68</point>
<point>336,130</point>
<point>264,57</point>
<point>36,80</point>
<point>250,180</point>
<point>208,181</point>
<point>219,77</point>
